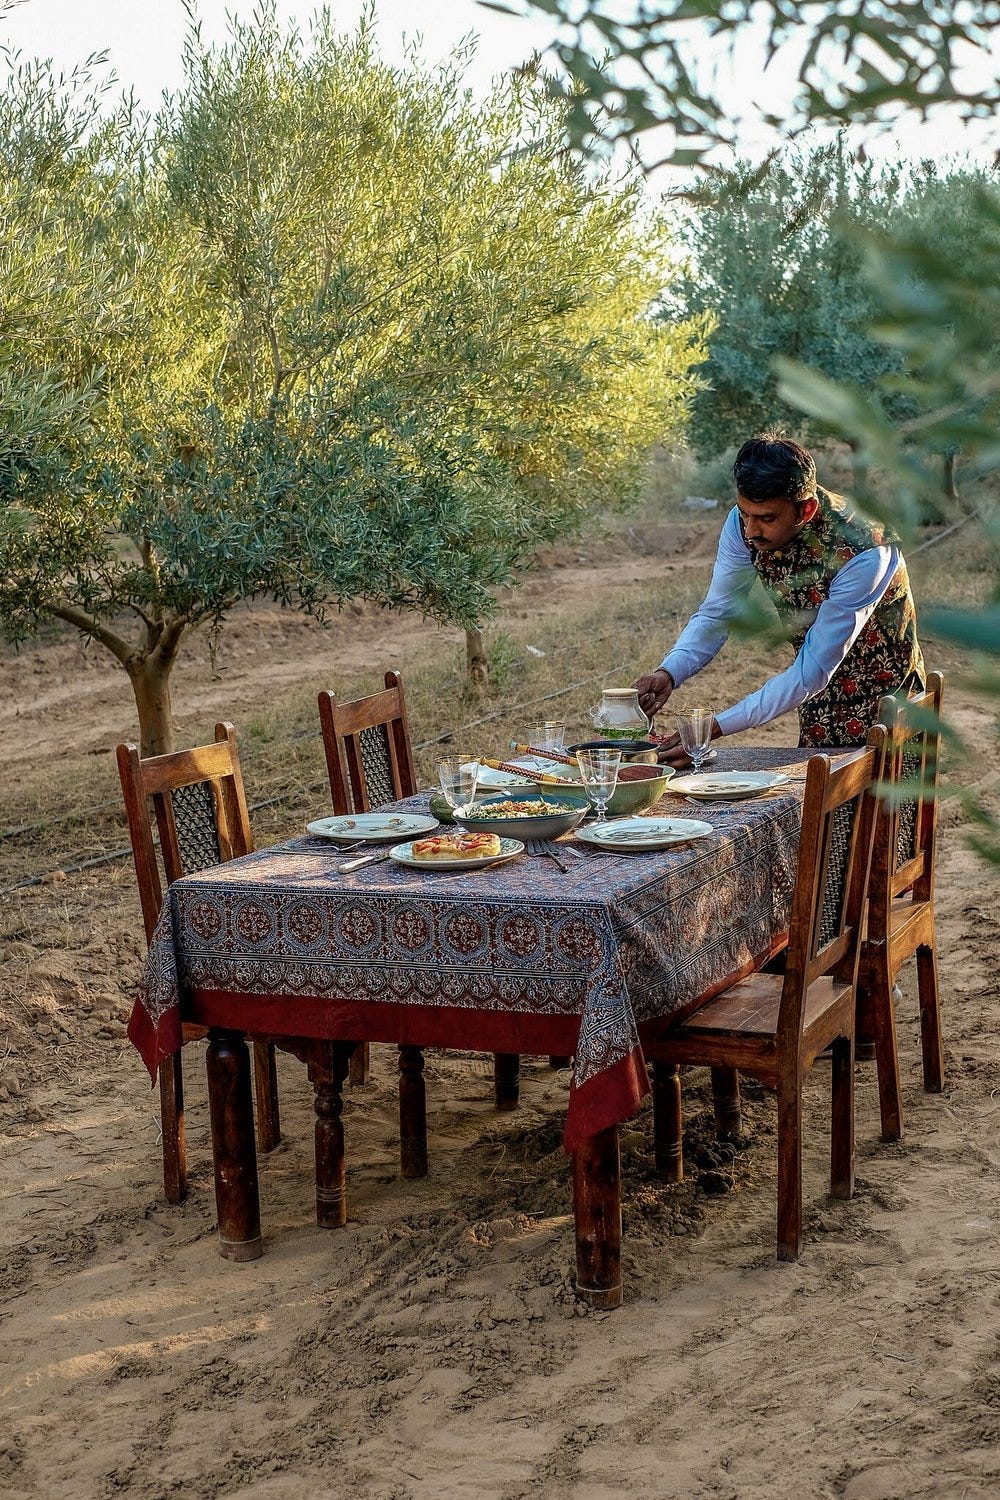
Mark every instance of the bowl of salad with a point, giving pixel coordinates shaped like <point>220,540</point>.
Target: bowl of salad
<point>538,813</point>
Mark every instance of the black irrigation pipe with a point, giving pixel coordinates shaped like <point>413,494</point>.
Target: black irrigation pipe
<point>448,734</point>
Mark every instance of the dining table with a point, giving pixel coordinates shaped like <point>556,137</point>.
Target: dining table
<point>519,958</point>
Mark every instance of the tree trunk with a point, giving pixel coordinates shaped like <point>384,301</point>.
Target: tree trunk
<point>950,486</point>
<point>150,678</point>
<point>476,661</point>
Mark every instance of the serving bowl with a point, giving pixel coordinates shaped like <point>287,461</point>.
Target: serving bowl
<point>479,818</point>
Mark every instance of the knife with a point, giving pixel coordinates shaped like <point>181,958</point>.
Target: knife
<point>366,859</point>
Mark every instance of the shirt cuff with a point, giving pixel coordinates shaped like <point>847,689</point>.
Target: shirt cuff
<point>672,663</point>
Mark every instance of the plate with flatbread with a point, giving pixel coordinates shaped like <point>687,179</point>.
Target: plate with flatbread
<point>456,851</point>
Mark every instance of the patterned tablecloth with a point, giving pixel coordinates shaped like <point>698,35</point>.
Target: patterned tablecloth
<point>517,958</point>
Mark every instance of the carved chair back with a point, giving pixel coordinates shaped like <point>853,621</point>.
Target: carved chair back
<point>906,827</point>
<point>200,810</point>
<point>838,819</point>
<point>367,745</point>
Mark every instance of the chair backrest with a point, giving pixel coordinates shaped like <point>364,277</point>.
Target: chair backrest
<point>367,745</point>
<point>831,881</point>
<point>200,809</point>
<point>906,827</point>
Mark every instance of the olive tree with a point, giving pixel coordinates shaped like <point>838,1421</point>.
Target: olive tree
<point>322,329</point>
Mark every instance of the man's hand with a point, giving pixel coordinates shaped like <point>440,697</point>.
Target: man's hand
<point>672,753</point>
<point>654,691</point>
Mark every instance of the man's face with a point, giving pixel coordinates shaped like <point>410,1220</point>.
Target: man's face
<point>770,524</point>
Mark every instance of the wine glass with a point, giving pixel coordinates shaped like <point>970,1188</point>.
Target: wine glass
<point>599,774</point>
<point>695,729</point>
<point>458,775</point>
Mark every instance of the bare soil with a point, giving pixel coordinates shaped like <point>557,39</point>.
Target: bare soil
<point>434,1347</point>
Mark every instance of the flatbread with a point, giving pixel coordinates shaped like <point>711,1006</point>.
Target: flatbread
<point>458,846</point>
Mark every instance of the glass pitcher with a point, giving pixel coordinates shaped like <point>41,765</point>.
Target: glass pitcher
<point>619,717</point>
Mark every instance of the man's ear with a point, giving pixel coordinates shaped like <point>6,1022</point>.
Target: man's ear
<point>809,508</point>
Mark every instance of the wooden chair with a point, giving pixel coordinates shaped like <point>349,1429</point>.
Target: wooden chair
<point>200,808</point>
<point>773,1026</point>
<point>901,897</point>
<point>370,763</point>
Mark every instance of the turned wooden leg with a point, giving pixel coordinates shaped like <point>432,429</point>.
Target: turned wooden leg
<point>668,1148</point>
<point>231,1112</point>
<point>931,1040</point>
<point>559,1062</point>
<point>327,1071</point>
<point>881,1009</point>
<point>360,1068</point>
<point>597,1211</point>
<point>726,1099</point>
<point>265,1082</point>
<point>789,1169</point>
<point>506,1080</point>
<point>172,1127</point>
<point>842,1122</point>
<point>412,1113</point>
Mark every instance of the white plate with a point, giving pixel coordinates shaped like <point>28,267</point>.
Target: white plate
<point>403,855</point>
<point>644,833</point>
<point>723,786</point>
<point>372,828</point>
<point>498,780</point>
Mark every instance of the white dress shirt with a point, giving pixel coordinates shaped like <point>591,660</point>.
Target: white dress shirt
<point>855,591</point>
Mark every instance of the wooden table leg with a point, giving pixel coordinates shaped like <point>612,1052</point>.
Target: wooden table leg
<point>506,1080</point>
<point>597,1209</point>
<point>328,1067</point>
<point>412,1113</point>
<point>230,1101</point>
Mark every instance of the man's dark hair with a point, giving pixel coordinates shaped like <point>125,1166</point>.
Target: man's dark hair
<point>773,467</point>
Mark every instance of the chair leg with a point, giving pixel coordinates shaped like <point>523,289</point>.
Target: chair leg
<point>882,1010</point>
<point>506,1080</point>
<point>172,1127</point>
<point>668,1148</point>
<point>726,1099</point>
<point>265,1083</point>
<point>360,1066</point>
<point>842,1121</point>
<point>412,1113</point>
<point>931,1041</point>
<point>790,1169</point>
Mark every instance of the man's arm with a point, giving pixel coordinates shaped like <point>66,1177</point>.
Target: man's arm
<point>855,592</point>
<point>705,633</point>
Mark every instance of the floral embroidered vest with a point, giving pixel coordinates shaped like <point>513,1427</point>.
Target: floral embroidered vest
<point>886,656</point>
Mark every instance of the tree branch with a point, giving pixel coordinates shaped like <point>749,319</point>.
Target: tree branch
<point>73,615</point>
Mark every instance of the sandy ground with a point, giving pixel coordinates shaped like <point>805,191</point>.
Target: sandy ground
<point>434,1347</point>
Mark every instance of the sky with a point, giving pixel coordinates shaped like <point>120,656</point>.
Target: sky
<point>143,40</point>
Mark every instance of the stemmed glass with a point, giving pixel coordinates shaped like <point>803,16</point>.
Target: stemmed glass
<point>695,730</point>
<point>599,774</point>
<point>459,775</point>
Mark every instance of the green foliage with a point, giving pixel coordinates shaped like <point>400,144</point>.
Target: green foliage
<point>635,69</point>
<point>775,254</point>
<point>324,329</point>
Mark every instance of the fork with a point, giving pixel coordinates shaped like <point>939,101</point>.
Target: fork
<point>541,846</point>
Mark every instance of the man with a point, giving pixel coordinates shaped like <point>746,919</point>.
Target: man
<point>838,583</point>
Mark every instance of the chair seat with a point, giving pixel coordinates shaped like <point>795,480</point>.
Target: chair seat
<point>750,1008</point>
